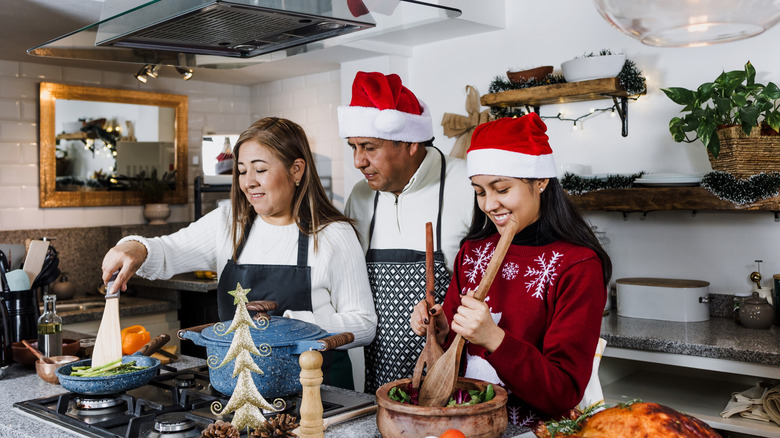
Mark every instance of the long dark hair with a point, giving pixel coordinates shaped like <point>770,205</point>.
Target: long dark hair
<point>311,207</point>
<point>558,217</point>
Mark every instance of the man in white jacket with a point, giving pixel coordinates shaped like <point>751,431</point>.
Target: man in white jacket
<point>408,182</point>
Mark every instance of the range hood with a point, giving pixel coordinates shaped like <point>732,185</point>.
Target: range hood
<point>179,32</point>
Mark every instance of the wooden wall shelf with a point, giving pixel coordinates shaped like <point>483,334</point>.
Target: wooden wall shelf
<point>582,91</point>
<point>72,136</point>
<point>664,198</point>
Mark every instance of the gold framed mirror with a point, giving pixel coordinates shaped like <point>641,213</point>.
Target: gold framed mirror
<point>97,144</point>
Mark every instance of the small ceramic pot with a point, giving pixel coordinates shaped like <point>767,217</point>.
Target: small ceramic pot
<point>63,288</point>
<point>756,312</point>
<point>157,214</point>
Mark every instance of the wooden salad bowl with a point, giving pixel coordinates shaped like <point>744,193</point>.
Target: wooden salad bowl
<point>483,420</point>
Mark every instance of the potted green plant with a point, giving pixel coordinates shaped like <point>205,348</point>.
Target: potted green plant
<point>734,117</point>
<point>152,189</point>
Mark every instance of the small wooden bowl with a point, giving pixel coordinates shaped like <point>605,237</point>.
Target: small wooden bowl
<point>537,73</point>
<point>25,357</point>
<point>483,420</point>
<point>46,371</point>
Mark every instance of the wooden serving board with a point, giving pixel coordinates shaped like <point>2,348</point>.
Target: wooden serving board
<point>165,360</point>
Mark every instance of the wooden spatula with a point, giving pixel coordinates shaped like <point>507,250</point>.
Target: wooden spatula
<point>441,378</point>
<point>108,342</point>
<point>432,350</point>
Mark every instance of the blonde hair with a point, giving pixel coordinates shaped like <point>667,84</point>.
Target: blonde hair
<point>311,207</point>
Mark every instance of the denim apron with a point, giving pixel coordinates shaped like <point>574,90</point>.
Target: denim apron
<point>397,278</point>
<point>289,286</point>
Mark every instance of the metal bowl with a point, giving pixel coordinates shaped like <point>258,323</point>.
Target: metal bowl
<point>47,371</point>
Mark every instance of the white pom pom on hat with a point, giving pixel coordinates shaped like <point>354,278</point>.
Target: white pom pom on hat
<point>382,107</point>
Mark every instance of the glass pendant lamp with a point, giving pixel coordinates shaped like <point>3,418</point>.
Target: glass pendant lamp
<point>687,23</point>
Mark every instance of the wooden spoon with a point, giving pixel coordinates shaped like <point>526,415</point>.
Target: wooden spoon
<point>441,378</point>
<point>432,350</point>
<point>37,353</point>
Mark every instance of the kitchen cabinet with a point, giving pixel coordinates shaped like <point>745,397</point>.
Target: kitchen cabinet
<point>691,367</point>
<point>582,91</point>
<point>645,199</point>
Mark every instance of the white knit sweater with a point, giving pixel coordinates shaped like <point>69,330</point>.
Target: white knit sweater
<point>400,220</point>
<point>341,295</point>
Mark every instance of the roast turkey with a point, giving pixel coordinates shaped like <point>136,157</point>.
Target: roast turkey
<point>638,420</point>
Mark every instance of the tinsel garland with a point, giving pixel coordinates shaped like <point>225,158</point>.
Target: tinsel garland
<point>577,185</point>
<point>630,78</point>
<point>742,191</point>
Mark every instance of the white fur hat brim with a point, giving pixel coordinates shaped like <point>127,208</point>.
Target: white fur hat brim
<point>389,124</point>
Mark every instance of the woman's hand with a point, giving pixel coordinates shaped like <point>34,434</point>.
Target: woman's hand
<point>420,318</point>
<point>475,323</point>
<point>126,258</point>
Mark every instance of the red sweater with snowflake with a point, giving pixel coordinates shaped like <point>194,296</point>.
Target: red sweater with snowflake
<point>549,300</point>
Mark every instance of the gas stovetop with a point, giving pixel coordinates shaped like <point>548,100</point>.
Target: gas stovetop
<point>174,404</point>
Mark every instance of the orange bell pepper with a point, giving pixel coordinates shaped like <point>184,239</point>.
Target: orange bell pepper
<point>133,338</point>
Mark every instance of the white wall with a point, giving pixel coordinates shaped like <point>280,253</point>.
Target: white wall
<point>310,101</point>
<point>716,247</point>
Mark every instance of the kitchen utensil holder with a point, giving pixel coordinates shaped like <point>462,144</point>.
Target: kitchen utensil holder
<point>23,314</point>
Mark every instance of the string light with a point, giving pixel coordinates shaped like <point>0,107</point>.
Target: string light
<point>613,110</point>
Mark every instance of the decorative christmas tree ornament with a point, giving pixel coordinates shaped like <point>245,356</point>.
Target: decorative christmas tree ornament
<point>246,402</point>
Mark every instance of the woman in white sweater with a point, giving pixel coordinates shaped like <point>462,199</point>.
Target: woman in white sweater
<point>281,237</point>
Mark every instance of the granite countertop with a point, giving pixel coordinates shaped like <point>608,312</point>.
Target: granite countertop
<point>22,383</point>
<point>91,309</point>
<point>719,337</point>
<point>181,282</point>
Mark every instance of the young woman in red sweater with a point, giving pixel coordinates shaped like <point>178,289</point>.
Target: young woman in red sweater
<point>537,330</point>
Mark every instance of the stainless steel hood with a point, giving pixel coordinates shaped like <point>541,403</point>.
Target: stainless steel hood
<point>171,31</point>
<point>187,32</point>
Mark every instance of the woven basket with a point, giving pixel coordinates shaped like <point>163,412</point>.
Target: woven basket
<point>745,155</point>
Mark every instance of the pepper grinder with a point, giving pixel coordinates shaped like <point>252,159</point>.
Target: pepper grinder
<point>755,277</point>
<point>312,425</point>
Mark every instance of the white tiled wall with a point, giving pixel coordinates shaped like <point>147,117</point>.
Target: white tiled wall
<point>309,100</point>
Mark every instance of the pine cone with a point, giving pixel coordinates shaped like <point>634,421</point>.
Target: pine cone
<point>220,429</point>
<point>280,426</point>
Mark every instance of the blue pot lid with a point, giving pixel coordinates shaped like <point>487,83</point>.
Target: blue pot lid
<point>279,331</point>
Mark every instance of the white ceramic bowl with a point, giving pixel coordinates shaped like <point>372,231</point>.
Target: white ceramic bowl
<point>592,67</point>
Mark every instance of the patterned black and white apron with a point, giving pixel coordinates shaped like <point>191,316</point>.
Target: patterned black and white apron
<point>397,278</point>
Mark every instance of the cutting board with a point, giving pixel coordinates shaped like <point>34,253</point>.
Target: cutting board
<point>165,360</point>
<point>33,261</point>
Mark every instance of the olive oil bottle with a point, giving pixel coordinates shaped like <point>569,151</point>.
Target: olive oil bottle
<point>50,328</point>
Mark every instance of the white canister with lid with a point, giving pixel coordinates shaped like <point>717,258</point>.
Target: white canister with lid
<point>664,299</point>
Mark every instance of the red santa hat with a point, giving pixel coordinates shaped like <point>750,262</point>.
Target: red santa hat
<point>382,107</point>
<point>515,147</point>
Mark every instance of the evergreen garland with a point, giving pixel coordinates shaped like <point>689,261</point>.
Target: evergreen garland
<point>500,84</point>
<point>631,79</point>
<point>746,191</point>
<point>577,185</point>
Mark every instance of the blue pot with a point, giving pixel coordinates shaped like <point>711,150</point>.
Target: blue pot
<point>279,341</point>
